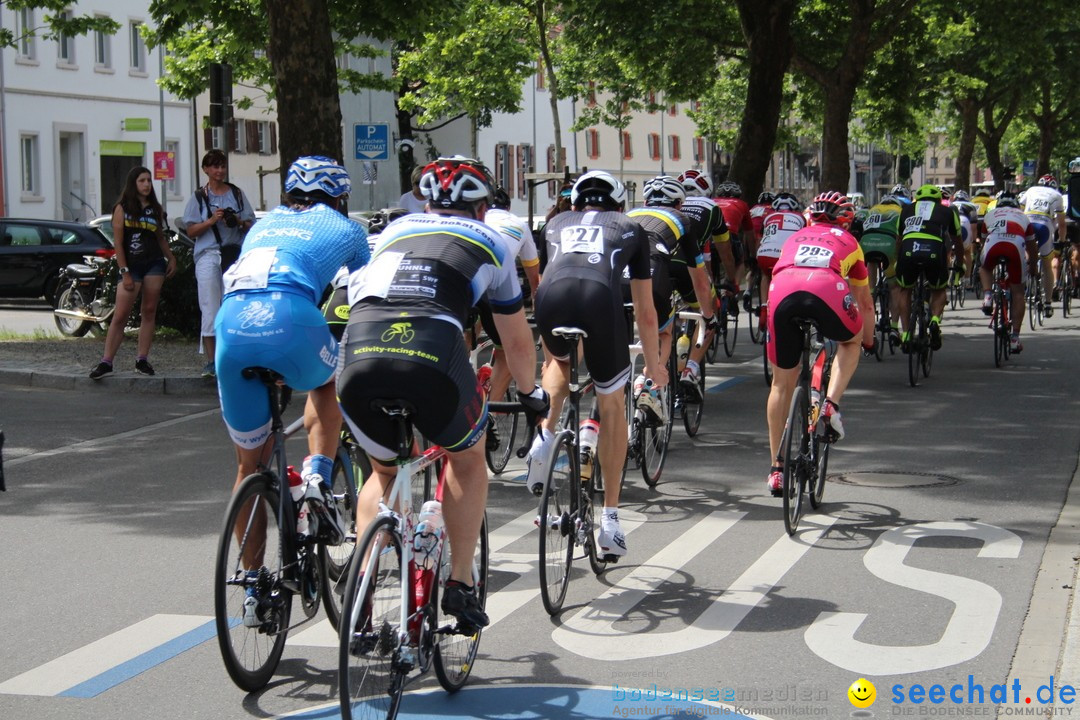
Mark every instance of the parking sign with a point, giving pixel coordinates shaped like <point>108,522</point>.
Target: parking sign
<point>372,141</point>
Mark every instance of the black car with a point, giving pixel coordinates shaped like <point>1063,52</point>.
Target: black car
<point>32,252</point>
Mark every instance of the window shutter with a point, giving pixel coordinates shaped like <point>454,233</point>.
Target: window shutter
<point>208,139</point>
<point>273,138</point>
<point>252,127</point>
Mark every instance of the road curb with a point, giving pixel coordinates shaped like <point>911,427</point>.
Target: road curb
<point>1049,643</point>
<point>122,383</point>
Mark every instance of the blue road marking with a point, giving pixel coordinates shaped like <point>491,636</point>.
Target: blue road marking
<point>127,670</point>
<point>547,702</point>
<point>730,382</point>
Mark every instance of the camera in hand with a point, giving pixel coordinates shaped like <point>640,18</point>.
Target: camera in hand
<point>230,217</point>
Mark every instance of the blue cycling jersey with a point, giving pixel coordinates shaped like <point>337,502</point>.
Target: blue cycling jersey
<point>298,251</point>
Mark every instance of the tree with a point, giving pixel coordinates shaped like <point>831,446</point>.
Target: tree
<point>57,21</point>
<point>834,45</point>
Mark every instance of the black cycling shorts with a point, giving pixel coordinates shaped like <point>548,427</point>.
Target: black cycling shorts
<point>925,253</point>
<point>422,361</point>
<point>598,310</point>
<point>483,310</point>
<point>787,335</point>
<point>336,312</point>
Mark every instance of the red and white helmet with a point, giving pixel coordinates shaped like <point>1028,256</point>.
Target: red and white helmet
<point>832,207</point>
<point>456,183</point>
<point>1049,181</point>
<point>696,183</point>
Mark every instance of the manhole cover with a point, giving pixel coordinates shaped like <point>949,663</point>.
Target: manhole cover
<point>883,479</point>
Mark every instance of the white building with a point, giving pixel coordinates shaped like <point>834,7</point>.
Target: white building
<point>77,113</point>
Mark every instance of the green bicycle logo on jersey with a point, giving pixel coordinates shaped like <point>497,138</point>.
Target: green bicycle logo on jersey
<point>401,330</point>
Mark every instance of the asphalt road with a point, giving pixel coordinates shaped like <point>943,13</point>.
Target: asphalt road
<point>919,572</point>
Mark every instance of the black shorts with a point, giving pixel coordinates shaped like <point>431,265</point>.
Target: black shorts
<point>930,255</point>
<point>788,337</point>
<point>336,312</point>
<point>598,310</point>
<point>422,361</point>
<point>483,310</point>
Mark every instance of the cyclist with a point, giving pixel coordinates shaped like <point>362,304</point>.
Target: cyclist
<point>925,225</point>
<point>520,241</point>
<point>1045,208</point>
<point>1009,234</point>
<point>878,233</point>
<point>969,228</point>
<point>707,224</point>
<point>901,193</point>
<point>784,220</point>
<point>820,276</point>
<point>270,318</point>
<point>737,216</point>
<point>587,251</point>
<point>1072,214</point>
<point>405,342</point>
<point>677,261</point>
<point>982,200</point>
<point>758,211</point>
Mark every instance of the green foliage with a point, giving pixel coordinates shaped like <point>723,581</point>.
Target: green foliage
<point>178,307</point>
<point>55,23</point>
<point>473,62</point>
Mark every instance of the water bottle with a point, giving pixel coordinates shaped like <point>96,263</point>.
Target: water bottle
<point>589,432</point>
<point>297,488</point>
<point>682,350</point>
<point>428,535</point>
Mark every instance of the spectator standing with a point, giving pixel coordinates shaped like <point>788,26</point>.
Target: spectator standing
<point>414,200</point>
<point>144,260</point>
<point>217,218</point>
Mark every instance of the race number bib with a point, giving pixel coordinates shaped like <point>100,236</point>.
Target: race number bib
<point>374,280</point>
<point>582,239</point>
<point>1039,205</point>
<point>251,271</point>
<point>813,256</point>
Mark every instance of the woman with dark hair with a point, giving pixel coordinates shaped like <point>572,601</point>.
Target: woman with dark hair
<point>144,259</point>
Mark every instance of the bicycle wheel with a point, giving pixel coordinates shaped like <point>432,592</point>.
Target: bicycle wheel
<point>731,328</point>
<point>693,408</point>
<point>654,438</point>
<point>370,685</point>
<point>590,512</point>
<point>795,445</point>
<point>250,556</point>
<point>954,290</point>
<point>1031,303</point>
<point>996,326</point>
<point>926,353</point>
<point>333,559</point>
<point>455,652</point>
<point>753,311</point>
<point>712,349</point>
<point>557,507</point>
<point>914,351</point>
<point>500,447</point>
<point>1066,295</point>
<point>820,448</point>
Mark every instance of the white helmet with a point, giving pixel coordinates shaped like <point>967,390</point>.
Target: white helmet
<point>456,182</point>
<point>663,190</point>
<point>599,188</point>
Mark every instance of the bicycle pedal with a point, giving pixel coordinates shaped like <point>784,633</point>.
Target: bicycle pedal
<point>610,558</point>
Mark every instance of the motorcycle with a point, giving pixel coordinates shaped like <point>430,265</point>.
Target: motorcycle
<point>86,296</point>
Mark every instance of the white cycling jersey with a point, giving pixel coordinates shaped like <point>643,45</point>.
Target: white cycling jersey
<point>1042,200</point>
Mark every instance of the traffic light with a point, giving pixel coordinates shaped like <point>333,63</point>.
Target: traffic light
<point>220,94</point>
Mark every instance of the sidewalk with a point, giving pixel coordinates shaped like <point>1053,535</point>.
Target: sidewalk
<point>65,364</point>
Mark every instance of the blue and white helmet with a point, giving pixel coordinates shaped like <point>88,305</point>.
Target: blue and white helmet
<point>317,174</point>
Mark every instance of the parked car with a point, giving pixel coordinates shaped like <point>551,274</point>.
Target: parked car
<point>104,224</point>
<point>33,251</point>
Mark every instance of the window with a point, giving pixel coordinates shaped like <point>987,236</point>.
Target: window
<point>238,136</point>
<point>654,146</point>
<point>696,106</point>
<point>627,148</point>
<point>699,149</point>
<point>65,44</point>
<point>674,149</point>
<point>172,187</point>
<point>526,160</point>
<point>26,34</point>
<point>651,101</point>
<point>541,78</point>
<point>23,235</point>
<point>267,138</point>
<point>503,170</point>
<point>217,137</point>
<point>933,163</point>
<point>948,162</point>
<point>138,48</point>
<point>592,143</point>
<point>673,110</point>
<point>28,157</point>
<point>102,49</point>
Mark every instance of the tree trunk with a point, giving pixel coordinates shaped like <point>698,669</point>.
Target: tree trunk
<point>969,119</point>
<point>991,134</point>
<point>1047,124</point>
<point>302,55</point>
<point>836,168</point>
<point>540,14</point>
<point>767,29</point>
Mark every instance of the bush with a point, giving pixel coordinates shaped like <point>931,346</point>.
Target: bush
<point>179,305</point>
